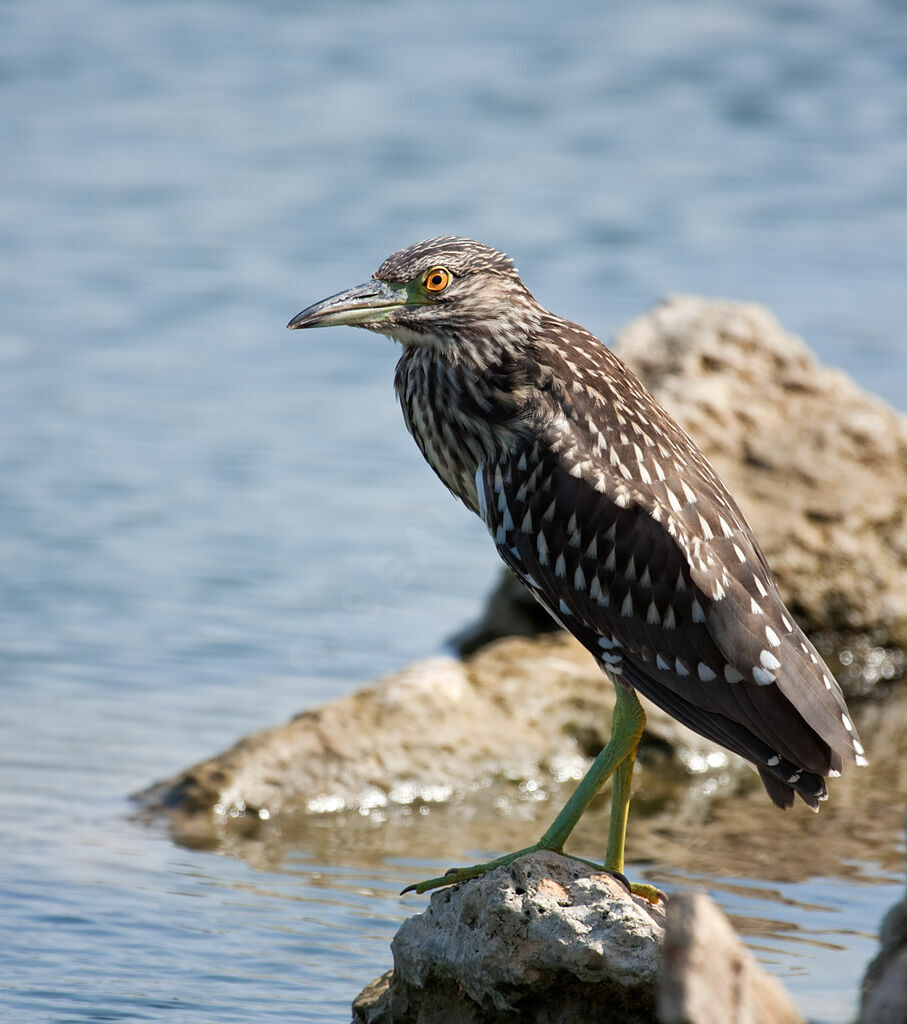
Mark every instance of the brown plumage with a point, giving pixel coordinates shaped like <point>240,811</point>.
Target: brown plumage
<point>603,506</point>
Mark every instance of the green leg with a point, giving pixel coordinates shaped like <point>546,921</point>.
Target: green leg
<point>616,759</point>
<point>620,809</point>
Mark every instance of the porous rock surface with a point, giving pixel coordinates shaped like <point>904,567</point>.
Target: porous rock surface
<point>545,941</point>
<point>538,941</point>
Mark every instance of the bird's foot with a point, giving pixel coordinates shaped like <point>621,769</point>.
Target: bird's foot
<point>456,875</point>
<point>648,892</point>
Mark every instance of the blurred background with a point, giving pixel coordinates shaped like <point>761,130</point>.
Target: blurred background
<point>208,524</point>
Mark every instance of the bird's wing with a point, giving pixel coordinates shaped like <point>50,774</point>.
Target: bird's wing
<point>666,586</point>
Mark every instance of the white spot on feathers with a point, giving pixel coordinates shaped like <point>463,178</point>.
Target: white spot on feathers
<point>762,677</point>
<point>769,661</point>
<point>704,672</point>
<point>480,490</point>
<point>627,607</point>
<point>772,637</point>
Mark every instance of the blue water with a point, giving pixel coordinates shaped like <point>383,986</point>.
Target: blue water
<point>207,524</point>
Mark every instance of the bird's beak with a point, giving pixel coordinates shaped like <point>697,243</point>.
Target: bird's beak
<point>362,306</point>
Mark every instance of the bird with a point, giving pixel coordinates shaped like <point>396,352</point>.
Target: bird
<point>607,511</point>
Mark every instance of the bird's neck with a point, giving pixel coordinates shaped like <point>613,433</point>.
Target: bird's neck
<point>463,411</point>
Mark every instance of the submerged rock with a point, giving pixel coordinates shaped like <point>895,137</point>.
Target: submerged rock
<point>818,466</point>
<point>544,941</point>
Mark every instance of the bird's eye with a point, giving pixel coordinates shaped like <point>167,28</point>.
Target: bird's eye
<point>437,279</point>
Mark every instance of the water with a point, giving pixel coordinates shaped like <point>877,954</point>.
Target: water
<point>207,524</point>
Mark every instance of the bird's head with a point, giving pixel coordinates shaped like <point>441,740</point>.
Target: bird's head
<point>431,294</point>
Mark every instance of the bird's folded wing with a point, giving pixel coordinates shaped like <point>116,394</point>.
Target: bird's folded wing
<point>664,583</point>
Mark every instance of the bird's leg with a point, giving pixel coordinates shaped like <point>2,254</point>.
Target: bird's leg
<point>615,759</point>
<point>617,827</point>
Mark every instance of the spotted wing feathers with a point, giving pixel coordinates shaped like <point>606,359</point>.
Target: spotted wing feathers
<point>622,530</point>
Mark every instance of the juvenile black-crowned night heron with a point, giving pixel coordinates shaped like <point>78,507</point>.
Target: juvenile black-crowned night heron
<point>612,517</point>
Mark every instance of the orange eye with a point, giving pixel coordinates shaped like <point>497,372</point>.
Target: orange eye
<point>437,279</point>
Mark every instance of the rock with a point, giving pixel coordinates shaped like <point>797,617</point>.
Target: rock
<point>884,998</point>
<point>544,941</point>
<point>536,942</point>
<point>371,1005</point>
<point>818,466</point>
<point>709,977</point>
<point>520,709</point>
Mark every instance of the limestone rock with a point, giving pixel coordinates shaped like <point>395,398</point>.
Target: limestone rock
<point>543,941</point>
<point>709,977</point>
<point>518,709</point>
<point>537,942</point>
